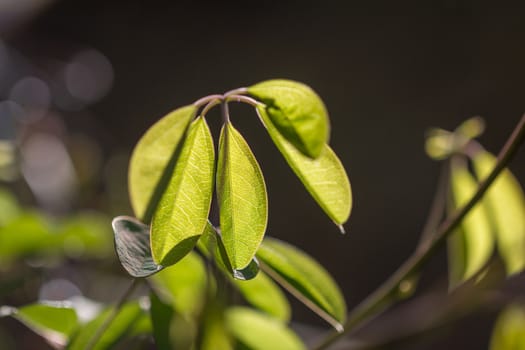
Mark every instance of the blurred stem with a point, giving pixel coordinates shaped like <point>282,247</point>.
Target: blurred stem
<point>114,312</point>
<point>385,295</point>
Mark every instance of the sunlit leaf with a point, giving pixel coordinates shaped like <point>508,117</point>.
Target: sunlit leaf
<point>506,204</point>
<point>297,112</point>
<point>471,246</point>
<point>123,324</point>
<point>242,198</point>
<point>182,213</point>
<point>325,177</point>
<point>256,331</point>
<point>183,285</point>
<point>263,294</point>
<point>9,208</point>
<point>211,243</point>
<point>305,278</point>
<point>214,330</point>
<point>151,159</point>
<point>509,331</point>
<point>53,322</point>
<point>132,246</point>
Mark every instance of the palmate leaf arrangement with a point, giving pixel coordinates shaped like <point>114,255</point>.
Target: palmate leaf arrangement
<point>191,265</point>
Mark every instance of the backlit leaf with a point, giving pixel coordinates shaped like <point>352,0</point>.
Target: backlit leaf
<point>305,278</point>
<point>256,331</point>
<point>182,213</point>
<point>262,293</point>
<point>183,285</point>
<point>297,112</point>
<point>508,333</point>
<point>472,245</point>
<point>132,246</point>
<point>211,243</point>
<point>325,177</point>
<point>242,198</point>
<point>505,203</point>
<point>151,160</point>
<point>54,322</point>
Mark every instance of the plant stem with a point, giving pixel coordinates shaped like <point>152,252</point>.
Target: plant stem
<point>114,312</point>
<point>383,297</point>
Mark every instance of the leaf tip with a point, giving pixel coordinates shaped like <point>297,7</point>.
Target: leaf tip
<point>339,327</point>
<point>341,229</point>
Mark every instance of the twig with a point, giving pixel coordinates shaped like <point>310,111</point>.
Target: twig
<point>114,312</point>
<point>379,300</point>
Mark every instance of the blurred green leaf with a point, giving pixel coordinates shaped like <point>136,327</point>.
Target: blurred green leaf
<point>183,285</point>
<point>151,159</point>
<point>9,208</point>
<point>53,322</point>
<point>211,242</point>
<point>305,278</point>
<point>256,331</point>
<point>471,246</point>
<point>505,203</point>
<point>182,213</point>
<point>325,177</point>
<point>122,325</point>
<point>297,112</point>
<point>509,330</point>
<point>262,293</point>
<point>214,329</point>
<point>242,198</point>
<point>133,247</point>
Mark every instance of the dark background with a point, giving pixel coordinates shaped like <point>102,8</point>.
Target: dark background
<point>387,71</point>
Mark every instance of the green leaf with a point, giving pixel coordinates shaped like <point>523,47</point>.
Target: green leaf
<point>505,203</point>
<point>183,285</point>
<point>214,333</point>
<point>182,213</point>
<point>54,321</point>
<point>263,294</point>
<point>306,279</point>
<point>325,177</point>
<point>211,241</point>
<point>150,161</point>
<point>132,246</point>
<point>256,331</point>
<point>471,246</point>
<point>297,112</point>
<point>123,324</point>
<point>508,333</point>
<point>242,198</point>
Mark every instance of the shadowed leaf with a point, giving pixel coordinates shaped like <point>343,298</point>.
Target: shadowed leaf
<point>305,278</point>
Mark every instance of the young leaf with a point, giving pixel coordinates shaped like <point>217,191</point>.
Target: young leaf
<point>123,324</point>
<point>474,243</point>
<point>505,203</point>
<point>256,331</point>
<point>306,279</point>
<point>297,112</point>
<point>508,333</point>
<point>183,285</point>
<point>151,159</point>
<point>182,213</point>
<point>132,246</point>
<point>263,294</point>
<point>325,177</point>
<point>53,322</point>
<point>211,241</point>
<point>242,198</point>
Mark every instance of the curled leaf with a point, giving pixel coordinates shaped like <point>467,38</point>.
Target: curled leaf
<point>297,112</point>
<point>151,160</point>
<point>182,213</point>
<point>242,198</point>
<point>325,177</point>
